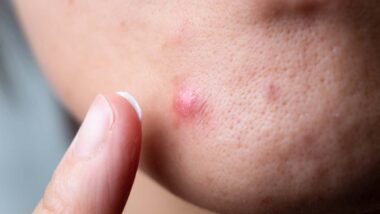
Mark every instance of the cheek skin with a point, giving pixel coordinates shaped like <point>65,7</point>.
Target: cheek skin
<point>274,103</point>
<point>298,5</point>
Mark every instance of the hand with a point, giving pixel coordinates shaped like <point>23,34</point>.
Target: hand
<point>97,172</point>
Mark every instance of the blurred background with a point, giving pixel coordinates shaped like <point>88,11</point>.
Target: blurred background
<point>31,141</point>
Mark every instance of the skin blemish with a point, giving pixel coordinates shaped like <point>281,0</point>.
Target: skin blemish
<point>178,34</point>
<point>188,105</point>
<point>272,93</point>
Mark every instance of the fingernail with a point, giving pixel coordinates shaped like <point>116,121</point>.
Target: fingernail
<point>132,101</point>
<point>95,127</point>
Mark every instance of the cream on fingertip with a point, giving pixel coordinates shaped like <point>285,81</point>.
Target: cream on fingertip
<point>132,101</point>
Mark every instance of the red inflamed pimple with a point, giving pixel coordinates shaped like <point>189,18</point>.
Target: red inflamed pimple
<point>188,104</point>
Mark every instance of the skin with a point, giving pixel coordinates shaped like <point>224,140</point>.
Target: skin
<point>249,106</point>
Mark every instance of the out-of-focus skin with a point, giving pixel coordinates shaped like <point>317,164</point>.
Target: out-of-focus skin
<point>249,106</point>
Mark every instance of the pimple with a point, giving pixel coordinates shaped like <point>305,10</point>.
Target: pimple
<point>188,104</point>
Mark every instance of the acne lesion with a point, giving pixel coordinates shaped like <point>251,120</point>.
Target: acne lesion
<point>185,102</point>
<point>189,104</point>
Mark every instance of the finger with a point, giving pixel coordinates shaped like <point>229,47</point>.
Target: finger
<point>97,172</point>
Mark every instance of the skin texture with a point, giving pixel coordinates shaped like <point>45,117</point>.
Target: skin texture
<point>249,106</point>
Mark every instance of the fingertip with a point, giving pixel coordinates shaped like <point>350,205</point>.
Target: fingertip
<point>101,179</point>
<point>127,114</point>
<point>125,146</point>
<point>132,101</point>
